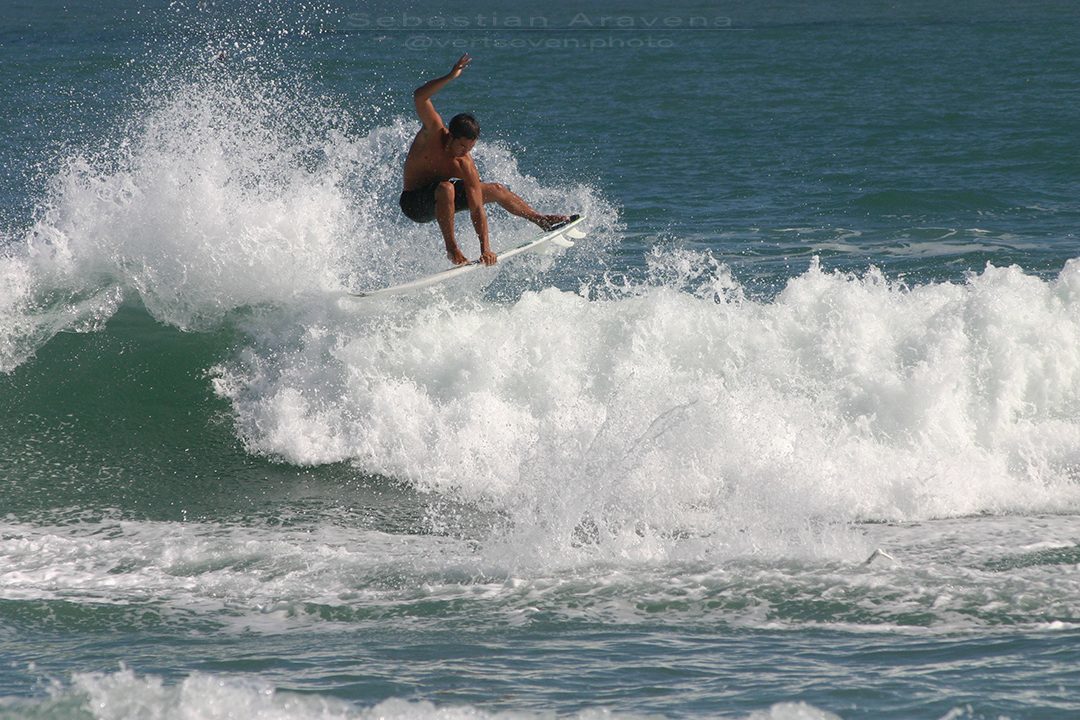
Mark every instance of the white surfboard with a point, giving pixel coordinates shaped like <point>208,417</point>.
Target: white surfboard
<point>560,236</point>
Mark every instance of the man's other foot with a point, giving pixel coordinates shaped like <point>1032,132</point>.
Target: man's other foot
<point>550,222</point>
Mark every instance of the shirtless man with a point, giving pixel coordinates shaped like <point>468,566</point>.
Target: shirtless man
<point>441,178</point>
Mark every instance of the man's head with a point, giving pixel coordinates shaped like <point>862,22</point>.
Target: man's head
<point>463,133</point>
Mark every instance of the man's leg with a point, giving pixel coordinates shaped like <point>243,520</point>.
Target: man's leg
<point>444,213</point>
<point>494,192</point>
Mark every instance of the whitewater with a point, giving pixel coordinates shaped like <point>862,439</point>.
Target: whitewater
<point>841,397</point>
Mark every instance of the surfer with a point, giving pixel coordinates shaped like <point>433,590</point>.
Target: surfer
<point>441,178</point>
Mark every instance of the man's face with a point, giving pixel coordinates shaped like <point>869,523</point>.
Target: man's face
<point>460,147</point>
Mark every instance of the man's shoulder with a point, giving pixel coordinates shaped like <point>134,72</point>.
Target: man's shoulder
<point>466,168</point>
<point>429,134</point>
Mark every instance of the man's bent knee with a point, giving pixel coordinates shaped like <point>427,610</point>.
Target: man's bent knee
<point>445,191</point>
<point>451,193</point>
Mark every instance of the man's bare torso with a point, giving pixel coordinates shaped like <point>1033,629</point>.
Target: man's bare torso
<point>429,161</point>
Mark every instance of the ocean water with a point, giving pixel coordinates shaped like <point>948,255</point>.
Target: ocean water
<point>793,434</point>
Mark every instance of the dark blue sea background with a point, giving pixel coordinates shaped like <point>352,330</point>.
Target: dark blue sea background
<point>794,432</point>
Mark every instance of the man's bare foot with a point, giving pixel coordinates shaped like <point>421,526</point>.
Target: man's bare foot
<point>549,222</point>
<point>456,256</point>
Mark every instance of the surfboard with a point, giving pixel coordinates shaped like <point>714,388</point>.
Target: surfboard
<point>560,236</point>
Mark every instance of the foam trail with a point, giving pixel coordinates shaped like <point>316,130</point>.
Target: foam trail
<point>328,575</point>
<point>661,423</point>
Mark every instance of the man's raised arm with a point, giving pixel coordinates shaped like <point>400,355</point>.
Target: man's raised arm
<point>423,94</point>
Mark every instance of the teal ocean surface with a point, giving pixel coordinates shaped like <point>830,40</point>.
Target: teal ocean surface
<point>794,433</point>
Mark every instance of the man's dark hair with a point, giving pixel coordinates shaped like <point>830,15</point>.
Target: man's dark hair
<point>464,125</point>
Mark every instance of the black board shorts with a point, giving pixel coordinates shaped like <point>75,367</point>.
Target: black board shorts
<point>419,204</point>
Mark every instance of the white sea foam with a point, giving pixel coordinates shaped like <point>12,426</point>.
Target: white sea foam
<point>124,695</point>
<point>654,413</point>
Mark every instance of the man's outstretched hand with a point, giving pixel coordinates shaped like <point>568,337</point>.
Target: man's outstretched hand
<point>461,64</point>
